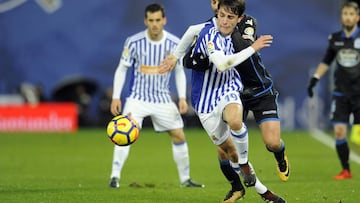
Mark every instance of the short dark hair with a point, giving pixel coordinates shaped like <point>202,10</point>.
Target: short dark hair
<point>152,8</point>
<point>235,6</point>
<point>351,4</point>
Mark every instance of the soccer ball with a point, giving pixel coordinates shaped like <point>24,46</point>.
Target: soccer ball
<point>122,130</point>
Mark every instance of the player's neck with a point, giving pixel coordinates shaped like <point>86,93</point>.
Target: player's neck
<point>156,37</point>
<point>349,31</point>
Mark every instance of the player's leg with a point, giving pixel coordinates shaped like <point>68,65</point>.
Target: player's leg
<point>232,115</point>
<point>121,153</point>
<point>237,189</point>
<point>167,118</point>
<point>265,111</point>
<point>219,133</point>
<point>340,120</point>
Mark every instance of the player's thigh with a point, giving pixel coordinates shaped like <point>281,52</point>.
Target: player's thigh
<point>138,109</point>
<point>166,117</point>
<point>264,108</point>
<point>217,130</point>
<point>340,110</point>
<point>230,107</point>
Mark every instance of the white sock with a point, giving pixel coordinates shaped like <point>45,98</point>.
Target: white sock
<point>259,187</point>
<point>241,141</point>
<point>119,158</point>
<point>181,158</point>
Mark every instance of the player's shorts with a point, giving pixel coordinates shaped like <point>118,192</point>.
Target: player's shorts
<point>213,123</point>
<point>342,107</point>
<point>264,107</point>
<point>164,116</point>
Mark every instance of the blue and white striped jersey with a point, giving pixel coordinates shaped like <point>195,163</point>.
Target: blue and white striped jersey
<point>144,56</point>
<point>208,86</point>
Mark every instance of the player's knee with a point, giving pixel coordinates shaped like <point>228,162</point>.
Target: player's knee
<point>235,124</point>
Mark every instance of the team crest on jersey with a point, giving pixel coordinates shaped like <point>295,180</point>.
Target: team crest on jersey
<point>249,31</point>
<point>125,53</point>
<point>357,43</point>
<point>210,47</point>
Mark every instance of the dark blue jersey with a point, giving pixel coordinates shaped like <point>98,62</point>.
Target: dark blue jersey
<point>346,53</point>
<point>256,79</point>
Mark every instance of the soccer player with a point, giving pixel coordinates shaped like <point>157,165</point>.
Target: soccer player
<point>262,102</point>
<point>150,94</point>
<point>343,47</point>
<point>216,90</point>
<point>259,95</point>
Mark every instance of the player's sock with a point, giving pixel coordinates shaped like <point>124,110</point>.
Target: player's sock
<point>342,150</point>
<point>279,154</point>
<point>119,158</point>
<point>231,175</point>
<point>241,141</point>
<point>181,158</point>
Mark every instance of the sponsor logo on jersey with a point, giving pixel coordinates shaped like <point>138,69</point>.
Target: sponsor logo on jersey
<point>149,69</point>
<point>348,58</point>
<point>210,47</point>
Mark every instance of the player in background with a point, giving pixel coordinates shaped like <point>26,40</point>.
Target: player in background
<point>259,95</point>
<point>150,94</point>
<point>344,48</point>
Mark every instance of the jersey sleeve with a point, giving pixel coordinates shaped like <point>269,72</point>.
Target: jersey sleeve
<point>330,52</point>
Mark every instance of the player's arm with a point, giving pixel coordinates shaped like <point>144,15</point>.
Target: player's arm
<point>322,68</point>
<point>224,62</point>
<point>180,79</point>
<point>119,80</point>
<point>185,42</point>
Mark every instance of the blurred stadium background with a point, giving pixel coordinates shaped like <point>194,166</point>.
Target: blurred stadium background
<point>48,46</point>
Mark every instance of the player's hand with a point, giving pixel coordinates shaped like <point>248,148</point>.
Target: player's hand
<point>168,64</point>
<point>115,107</point>
<point>262,41</point>
<point>183,106</point>
<point>312,84</point>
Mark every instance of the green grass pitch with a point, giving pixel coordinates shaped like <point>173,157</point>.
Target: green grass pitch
<point>54,167</point>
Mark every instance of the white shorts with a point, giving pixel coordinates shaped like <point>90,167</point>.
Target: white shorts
<point>164,117</point>
<point>213,123</point>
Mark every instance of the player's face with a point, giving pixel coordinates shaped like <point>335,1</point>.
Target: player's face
<point>349,18</point>
<point>155,23</point>
<point>227,20</point>
<point>214,5</point>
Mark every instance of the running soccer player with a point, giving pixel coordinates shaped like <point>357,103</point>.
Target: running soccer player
<point>150,94</point>
<point>259,95</point>
<point>215,91</point>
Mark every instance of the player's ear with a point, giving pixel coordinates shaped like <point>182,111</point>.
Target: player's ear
<point>241,17</point>
<point>145,22</point>
<point>165,20</point>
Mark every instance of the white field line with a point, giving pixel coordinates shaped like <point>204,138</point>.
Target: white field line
<point>329,141</point>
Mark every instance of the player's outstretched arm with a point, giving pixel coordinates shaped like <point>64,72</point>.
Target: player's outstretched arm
<point>224,62</point>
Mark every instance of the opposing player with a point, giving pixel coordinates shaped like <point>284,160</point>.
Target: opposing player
<point>344,48</point>
<point>150,94</point>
